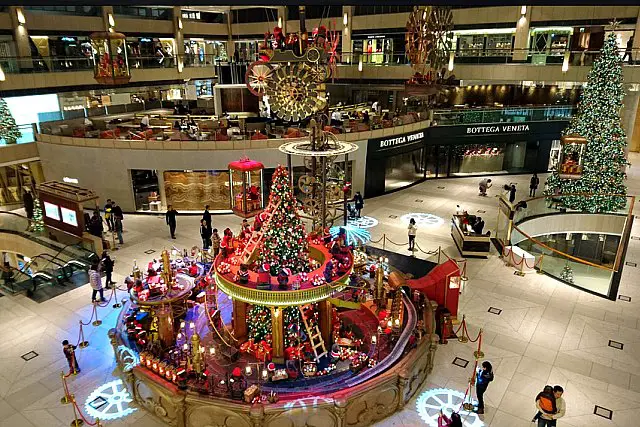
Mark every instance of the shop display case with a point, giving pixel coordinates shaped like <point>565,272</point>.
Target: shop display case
<point>571,155</point>
<point>110,58</point>
<point>246,182</point>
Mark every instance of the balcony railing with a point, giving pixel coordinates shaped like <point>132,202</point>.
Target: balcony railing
<point>499,115</point>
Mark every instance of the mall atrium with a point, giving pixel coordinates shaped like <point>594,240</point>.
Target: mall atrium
<point>319,215</point>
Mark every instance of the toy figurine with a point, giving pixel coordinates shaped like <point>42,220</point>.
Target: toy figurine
<point>243,275</point>
<point>283,278</point>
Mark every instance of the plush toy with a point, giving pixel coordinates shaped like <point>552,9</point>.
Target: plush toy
<point>283,278</point>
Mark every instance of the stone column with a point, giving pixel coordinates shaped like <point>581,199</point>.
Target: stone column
<point>346,33</point>
<point>277,334</point>
<point>21,37</point>
<point>161,190</point>
<point>522,35</point>
<point>282,16</point>
<point>636,40</point>
<point>630,119</point>
<point>240,319</point>
<point>231,46</point>
<point>178,37</point>
<point>106,11</point>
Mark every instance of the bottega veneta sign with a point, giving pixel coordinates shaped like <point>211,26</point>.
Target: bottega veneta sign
<point>497,129</point>
<point>392,142</point>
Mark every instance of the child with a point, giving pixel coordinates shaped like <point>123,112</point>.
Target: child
<point>215,242</point>
<point>545,401</point>
<point>70,355</point>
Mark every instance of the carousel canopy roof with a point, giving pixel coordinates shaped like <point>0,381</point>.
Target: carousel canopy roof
<point>67,191</point>
<point>246,165</point>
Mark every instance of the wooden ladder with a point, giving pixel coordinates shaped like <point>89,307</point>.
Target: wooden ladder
<point>256,237</point>
<point>315,337</point>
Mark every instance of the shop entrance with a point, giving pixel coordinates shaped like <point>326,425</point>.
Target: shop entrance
<point>145,187</point>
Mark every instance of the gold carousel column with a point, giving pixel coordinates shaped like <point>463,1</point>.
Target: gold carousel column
<point>164,315</point>
<point>240,319</point>
<point>277,335</point>
<point>325,309</point>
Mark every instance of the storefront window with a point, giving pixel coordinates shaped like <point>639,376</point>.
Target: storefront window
<point>404,169</point>
<point>373,50</point>
<point>499,44</point>
<point>191,190</point>
<point>479,159</point>
<point>15,179</point>
<point>145,188</point>
<point>554,154</point>
<point>549,44</point>
<point>470,45</point>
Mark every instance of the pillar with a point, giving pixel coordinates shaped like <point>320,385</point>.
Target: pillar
<point>522,34</point>
<point>277,335</point>
<point>106,11</point>
<point>325,311</point>
<point>20,37</point>
<point>346,33</point>
<point>161,190</point>
<point>178,37</point>
<point>240,319</point>
<point>631,119</point>
<point>636,40</point>
<point>231,46</point>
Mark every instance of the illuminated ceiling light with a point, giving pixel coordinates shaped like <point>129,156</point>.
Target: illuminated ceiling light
<point>20,16</point>
<point>451,56</point>
<point>523,10</point>
<point>360,65</point>
<point>179,23</point>
<point>112,22</point>
<point>280,21</point>
<point>565,63</point>
<point>2,76</point>
<point>345,19</point>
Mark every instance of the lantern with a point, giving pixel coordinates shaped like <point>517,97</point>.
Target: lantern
<point>110,64</point>
<point>246,182</point>
<point>571,156</point>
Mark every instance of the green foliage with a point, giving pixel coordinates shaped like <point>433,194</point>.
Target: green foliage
<point>598,120</point>
<point>37,223</point>
<point>259,324</point>
<point>8,129</point>
<point>285,241</point>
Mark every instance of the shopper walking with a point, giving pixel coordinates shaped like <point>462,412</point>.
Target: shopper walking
<point>359,202</point>
<point>69,351</point>
<point>95,224</point>
<point>27,199</point>
<point>512,193</point>
<point>107,267</point>
<point>533,185</point>
<point>483,377</point>
<point>215,242</point>
<point>206,216</point>
<point>170,217</point>
<point>96,282</point>
<point>116,211</point>
<point>544,418</point>
<point>117,226</point>
<point>205,233</point>
<point>108,215</point>
<point>412,229</point>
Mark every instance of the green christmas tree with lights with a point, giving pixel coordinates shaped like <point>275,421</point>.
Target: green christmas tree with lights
<point>284,244</point>
<point>567,273</point>
<point>8,129</point>
<point>37,222</point>
<point>598,120</point>
<point>259,324</point>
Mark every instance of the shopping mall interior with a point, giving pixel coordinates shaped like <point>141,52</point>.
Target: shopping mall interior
<point>314,215</point>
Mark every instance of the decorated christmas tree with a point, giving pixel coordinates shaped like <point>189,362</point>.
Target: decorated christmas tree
<point>597,120</point>
<point>37,223</point>
<point>567,274</point>
<point>284,244</point>
<point>259,323</point>
<point>8,129</point>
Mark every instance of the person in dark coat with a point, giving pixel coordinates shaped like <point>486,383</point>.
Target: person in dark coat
<point>359,202</point>
<point>483,377</point>
<point>533,185</point>
<point>95,224</point>
<point>206,216</point>
<point>107,267</point>
<point>69,351</point>
<point>27,199</point>
<point>512,193</point>
<point>170,217</point>
<point>205,233</point>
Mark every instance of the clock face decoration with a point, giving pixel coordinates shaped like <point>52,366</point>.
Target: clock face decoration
<point>258,77</point>
<point>432,401</point>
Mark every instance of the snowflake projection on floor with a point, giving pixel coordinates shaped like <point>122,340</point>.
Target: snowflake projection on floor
<point>355,236</point>
<point>363,222</point>
<point>425,219</point>
<point>432,401</point>
<point>117,401</point>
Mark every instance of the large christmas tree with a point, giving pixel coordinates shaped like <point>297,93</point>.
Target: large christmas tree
<point>598,120</point>
<point>284,244</point>
<point>8,129</point>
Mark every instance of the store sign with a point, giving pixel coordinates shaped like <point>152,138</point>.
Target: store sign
<point>401,140</point>
<point>497,129</point>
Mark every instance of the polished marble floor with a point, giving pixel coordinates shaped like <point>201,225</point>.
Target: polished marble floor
<point>546,332</point>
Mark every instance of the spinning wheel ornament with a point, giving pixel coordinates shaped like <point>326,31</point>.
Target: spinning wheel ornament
<point>428,39</point>
<point>294,92</point>
<point>112,401</point>
<point>432,401</point>
<point>257,77</point>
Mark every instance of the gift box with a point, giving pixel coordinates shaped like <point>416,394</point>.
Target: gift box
<point>251,392</point>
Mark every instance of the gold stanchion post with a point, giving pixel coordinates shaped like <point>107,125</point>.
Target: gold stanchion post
<point>115,297</point>
<point>66,398</point>
<point>540,265</point>
<point>76,421</point>
<point>96,322</point>
<point>82,343</point>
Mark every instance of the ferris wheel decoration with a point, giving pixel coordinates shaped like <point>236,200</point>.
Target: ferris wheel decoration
<point>429,39</point>
<point>258,77</point>
<point>294,92</point>
<point>110,401</point>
